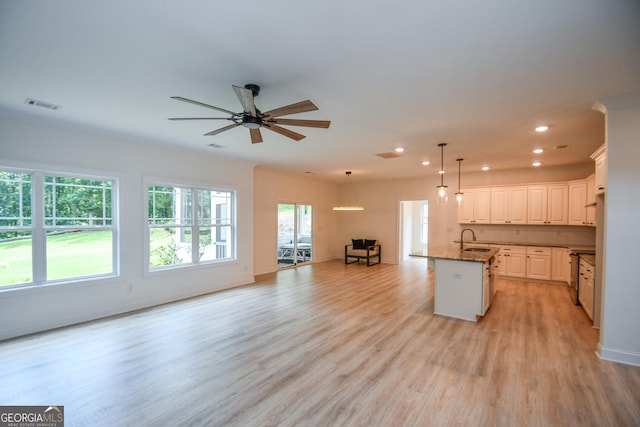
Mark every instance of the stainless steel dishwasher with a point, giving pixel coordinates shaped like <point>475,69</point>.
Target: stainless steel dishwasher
<point>575,267</point>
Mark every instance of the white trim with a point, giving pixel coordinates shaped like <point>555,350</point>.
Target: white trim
<point>619,356</point>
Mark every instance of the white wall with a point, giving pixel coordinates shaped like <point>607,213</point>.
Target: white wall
<point>620,327</point>
<point>381,218</point>
<point>381,200</point>
<point>37,308</point>
<point>273,187</point>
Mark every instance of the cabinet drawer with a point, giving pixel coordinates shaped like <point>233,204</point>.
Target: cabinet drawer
<point>586,269</point>
<point>535,250</point>
<point>513,250</point>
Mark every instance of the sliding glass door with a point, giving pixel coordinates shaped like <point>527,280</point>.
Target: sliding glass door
<point>295,225</point>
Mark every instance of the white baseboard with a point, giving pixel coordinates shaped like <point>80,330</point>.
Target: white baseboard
<point>619,356</point>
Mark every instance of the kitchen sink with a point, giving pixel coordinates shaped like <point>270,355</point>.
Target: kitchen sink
<point>477,249</point>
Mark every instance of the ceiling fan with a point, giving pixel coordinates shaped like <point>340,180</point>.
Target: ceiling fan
<point>253,119</point>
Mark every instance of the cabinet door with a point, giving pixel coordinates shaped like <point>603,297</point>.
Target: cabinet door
<point>537,205</point>
<point>585,291</point>
<point>539,267</point>
<point>465,210</point>
<point>516,264</point>
<point>557,204</point>
<point>591,201</point>
<point>486,289</point>
<point>601,172</point>
<point>560,265</point>
<point>482,206</point>
<point>577,203</point>
<point>499,205</point>
<point>517,205</point>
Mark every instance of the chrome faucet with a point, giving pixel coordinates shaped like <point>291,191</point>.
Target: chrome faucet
<point>462,233</point>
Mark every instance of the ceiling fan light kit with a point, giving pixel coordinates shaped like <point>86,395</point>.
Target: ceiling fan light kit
<point>253,119</point>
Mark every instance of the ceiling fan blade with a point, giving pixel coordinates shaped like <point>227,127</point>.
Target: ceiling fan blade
<point>217,131</point>
<point>308,123</point>
<point>256,135</point>
<point>246,99</point>
<point>190,101</point>
<point>299,107</point>
<point>282,131</point>
<point>199,118</point>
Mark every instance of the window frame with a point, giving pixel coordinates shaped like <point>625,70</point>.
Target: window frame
<point>195,224</point>
<point>39,229</point>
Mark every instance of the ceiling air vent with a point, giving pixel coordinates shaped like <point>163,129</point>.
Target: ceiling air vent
<point>389,155</point>
<point>42,104</point>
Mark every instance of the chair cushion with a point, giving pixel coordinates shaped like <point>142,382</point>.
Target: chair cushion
<point>368,243</point>
<point>358,244</point>
<point>361,252</point>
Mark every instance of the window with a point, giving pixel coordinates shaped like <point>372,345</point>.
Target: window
<point>177,214</point>
<point>424,235</point>
<point>55,227</point>
<point>79,227</point>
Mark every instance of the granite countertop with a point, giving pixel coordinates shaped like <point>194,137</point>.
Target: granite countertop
<point>582,249</point>
<point>453,252</point>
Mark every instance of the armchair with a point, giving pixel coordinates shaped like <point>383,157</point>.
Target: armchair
<point>362,249</point>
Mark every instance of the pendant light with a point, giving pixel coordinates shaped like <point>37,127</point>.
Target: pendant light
<point>442,196</point>
<point>355,206</point>
<point>459,194</point>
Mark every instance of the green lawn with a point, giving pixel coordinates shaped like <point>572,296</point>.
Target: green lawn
<point>73,254</point>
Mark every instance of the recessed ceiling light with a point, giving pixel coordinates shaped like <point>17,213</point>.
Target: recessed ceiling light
<point>542,128</point>
<point>538,150</point>
<point>485,168</point>
<point>536,164</point>
<point>441,172</point>
<point>399,150</point>
<point>426,163</point>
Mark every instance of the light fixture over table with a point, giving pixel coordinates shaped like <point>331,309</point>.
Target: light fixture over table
<point>459,194</point>
<point>355,206</point>
<point>442,189</point>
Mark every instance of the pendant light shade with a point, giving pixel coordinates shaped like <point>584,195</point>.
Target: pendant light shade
<point>442,196</point>
<point>355,206</point>
<point>459,194</point>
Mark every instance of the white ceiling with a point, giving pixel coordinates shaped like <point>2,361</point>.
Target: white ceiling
<point>475,74</point>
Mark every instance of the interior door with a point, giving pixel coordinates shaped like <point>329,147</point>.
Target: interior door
<point>295,225</point>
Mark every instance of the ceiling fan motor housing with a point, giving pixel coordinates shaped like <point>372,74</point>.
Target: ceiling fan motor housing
<point>251,122</point>
<point>255,89</point>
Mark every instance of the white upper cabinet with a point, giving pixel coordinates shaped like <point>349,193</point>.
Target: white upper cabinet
<point>582,202</point>
<point>591,201</point>
<point>577,203</point>
<point>548,204</point>
<point>600,157</point>
<point>475,207</point>
<point>509,205</point>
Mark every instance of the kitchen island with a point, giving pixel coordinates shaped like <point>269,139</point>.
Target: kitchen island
<point>463,287</point>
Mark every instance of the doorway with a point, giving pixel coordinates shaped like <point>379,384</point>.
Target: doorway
<point>414,227</point>
<point>295,235</point>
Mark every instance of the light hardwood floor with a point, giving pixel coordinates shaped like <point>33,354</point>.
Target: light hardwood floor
<point>329,344</point>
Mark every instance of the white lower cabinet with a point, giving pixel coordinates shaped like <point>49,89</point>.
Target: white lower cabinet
<point>561,265</point>
<point>538,263</point>
<point>514,260</point>
<point>585,286</point>
<point>534,262</point>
